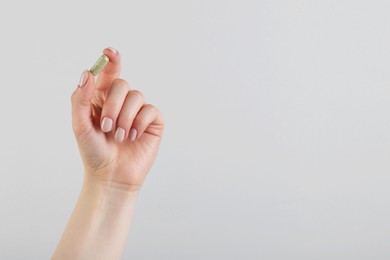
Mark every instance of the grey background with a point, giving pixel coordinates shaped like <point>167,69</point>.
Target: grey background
<point>277,125</point>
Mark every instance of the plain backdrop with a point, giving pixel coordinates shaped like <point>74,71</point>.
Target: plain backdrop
<point>277,141</point>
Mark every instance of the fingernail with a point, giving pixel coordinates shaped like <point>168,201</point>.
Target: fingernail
<point>106,124</point>
<point>83,79</point>
<point>133,134</point>
<point>113,50</point>
<point>120,134</point>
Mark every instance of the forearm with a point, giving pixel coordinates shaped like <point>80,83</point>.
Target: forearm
<point>100,222</point>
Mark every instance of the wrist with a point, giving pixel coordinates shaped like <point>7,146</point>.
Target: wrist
<point>123,179</point>
<point>109,193</point>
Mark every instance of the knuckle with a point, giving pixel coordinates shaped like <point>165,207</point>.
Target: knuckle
<point>141,121</point>
<point>138,94</point>
<point>161,117</point>
<point>120,83</point>
<point>151,108</point>
<point>112,107</point>
<point>73,97</point>
<point>122,122</point>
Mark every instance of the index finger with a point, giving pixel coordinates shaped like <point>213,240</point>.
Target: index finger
<point>111,71</point>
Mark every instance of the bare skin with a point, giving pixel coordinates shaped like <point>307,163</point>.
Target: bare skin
<point>118,136</point>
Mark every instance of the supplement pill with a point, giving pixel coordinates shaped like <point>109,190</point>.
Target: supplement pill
<point>99,65</point>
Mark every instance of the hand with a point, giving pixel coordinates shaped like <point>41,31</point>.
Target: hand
<point>117,133</point>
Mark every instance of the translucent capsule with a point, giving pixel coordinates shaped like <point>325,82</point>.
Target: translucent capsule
<point>99,65</point>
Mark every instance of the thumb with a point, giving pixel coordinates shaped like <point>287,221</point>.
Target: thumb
<point>81,105</point>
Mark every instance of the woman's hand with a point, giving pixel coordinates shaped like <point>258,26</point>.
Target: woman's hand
<point>118,134</point>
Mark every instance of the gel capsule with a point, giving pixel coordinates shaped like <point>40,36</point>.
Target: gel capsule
<point>99,65</point>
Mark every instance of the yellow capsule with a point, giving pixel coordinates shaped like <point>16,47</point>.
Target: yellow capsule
<point>99,65</point>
